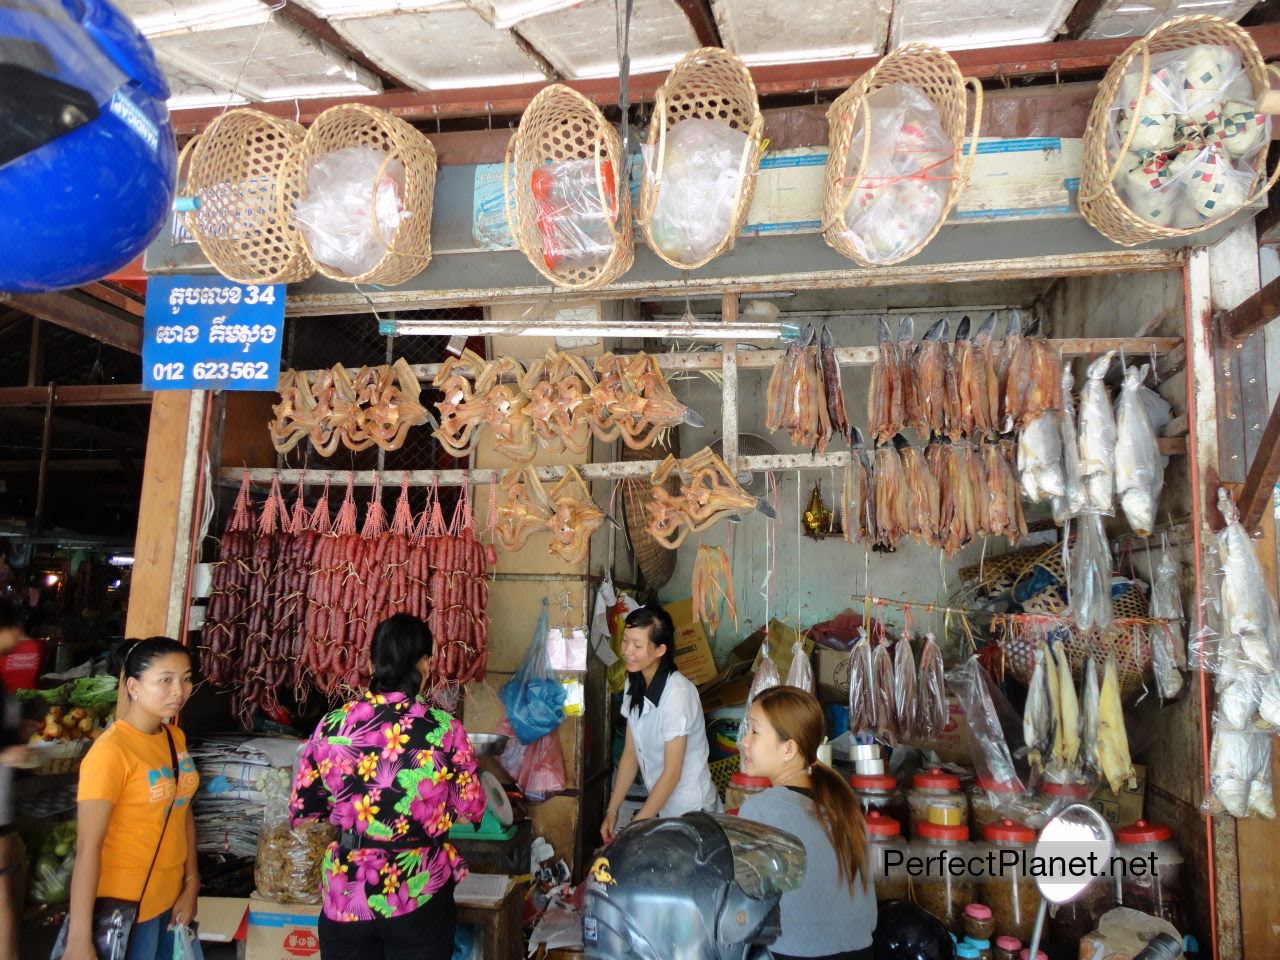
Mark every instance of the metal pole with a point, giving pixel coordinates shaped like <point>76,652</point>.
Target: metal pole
<point>729,386</point>
<point>44,459</point>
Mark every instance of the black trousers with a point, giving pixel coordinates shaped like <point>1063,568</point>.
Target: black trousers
<point>425,934</point>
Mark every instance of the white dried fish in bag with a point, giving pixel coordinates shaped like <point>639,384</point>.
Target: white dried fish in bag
<point>1074,497</point>
<point>1089,574</point>
<point>1166,603</point>
<point>1238,698</point>
<point>1249,614</point>
<point>1066,744</point>
<point>1113,738</point>
<point>1269,703</point>
<point>1098,439</point>
<point>1040,458</point>
<point>1240,774</point>
<point>1164,665</point>
<point>1037,715</point>
<point>1090,698</point>
<point>1139,469</point>
<point>886,726</point>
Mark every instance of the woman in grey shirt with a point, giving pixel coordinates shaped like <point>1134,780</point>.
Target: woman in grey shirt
<point>832,914</point>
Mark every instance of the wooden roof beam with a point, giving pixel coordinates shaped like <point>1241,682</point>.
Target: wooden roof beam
<point>1260,482</point>
<point>323,32</point>
<point>76,395</point>
<point>84,316</point>
<point>703,22</point>
<point>1250,315</point>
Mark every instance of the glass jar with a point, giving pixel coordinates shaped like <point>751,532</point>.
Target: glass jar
<point>1074,921</point>
<point>1051,798</point>
<point>986,800</point>
<point>1026,955</point>
<point>880,793</point>
<point>884,834</point>
<point>979,922</point>
<point>967,951</point>
<point>1007,948</point>
<point>983,947</point>
<point>944,895</point>
<point>1158,893</point>
<point>935,788</point>
<point>741,787</point>
<point>1012,896</point>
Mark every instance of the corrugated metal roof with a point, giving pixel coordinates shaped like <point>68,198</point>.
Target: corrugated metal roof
<point>782,31</point>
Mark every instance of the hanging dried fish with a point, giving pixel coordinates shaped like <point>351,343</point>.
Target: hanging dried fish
<point>963,422</point>
<point>1038,716</point>
<point>941,464</point>
<point>1098,439</point>
<point>930,365</point>
<point>1139,466</point>
<point>713,582</point>
<point>1044,384</point>
<point>1014,371</point>
<point>1066,746</point>
<point>924,509</point>
<point>1018,527</point>
<point>857,501</point>
<point>904,692</point>
<point>1074,496</point>
<point>1113,740</point>
<point>1090,698</point>
<point>932,713</point>
<point>910,397</point>
<point>862,701</point>
<point>886,725</point>
<point>986,378</point>
<point>970,491</point>
<point>883,396</point>
<point>957,418</point>
<point>1000,512</point>
<point>831,386</point>
<point>891,497</point>
<point>781,383</point>
<point>1040,458</point>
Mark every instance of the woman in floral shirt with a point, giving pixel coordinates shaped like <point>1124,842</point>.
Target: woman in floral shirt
<point>393,774</point>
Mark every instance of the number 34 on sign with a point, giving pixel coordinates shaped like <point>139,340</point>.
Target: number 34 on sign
<point>208,333</point>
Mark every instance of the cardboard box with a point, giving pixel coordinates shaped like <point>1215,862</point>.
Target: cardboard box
<point>693,652</point>
<point>729,688</point>
<point>282,931</point>
<point>954,744</point>
<point>223,919</point>
<point>781,639</point>
<point>1124,809</point>
<point>831,674</point>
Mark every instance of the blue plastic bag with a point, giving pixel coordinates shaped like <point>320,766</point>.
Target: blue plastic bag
<point>534,701</point>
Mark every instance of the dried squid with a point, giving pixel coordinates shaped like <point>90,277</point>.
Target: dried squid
<point>891,496</point>
<point>1098,439</point>
<point>631,399</point>
<point>713,582</point>
<point>573,517</point>
<point>884,394</point>
<point>1139,468</point>
<point>930,366</point>
<point>923,498</point>
<point>932,713</point>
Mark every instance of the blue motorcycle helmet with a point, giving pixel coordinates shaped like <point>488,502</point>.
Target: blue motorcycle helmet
<point>88,160</point>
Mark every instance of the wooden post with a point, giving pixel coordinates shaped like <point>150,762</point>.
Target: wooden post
<point>1255,496</point>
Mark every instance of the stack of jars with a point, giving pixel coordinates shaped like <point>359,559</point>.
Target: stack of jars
<point>942,894</point>
<point>879,793</point>
<point>1157,892</point>
<point>883,835</point>
<point>1011,894</point>
<point>935,797</point>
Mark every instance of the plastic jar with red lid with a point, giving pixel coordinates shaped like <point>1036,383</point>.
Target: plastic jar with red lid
<point>885,834</point>
<point>879,792</point>
<point>1007,948</point>
<point>741,787</point>
<point>1010,892</point>
<point>1155,891</point>
<point>940,892</point>
<point>986,800</point>
<point>939,789</point>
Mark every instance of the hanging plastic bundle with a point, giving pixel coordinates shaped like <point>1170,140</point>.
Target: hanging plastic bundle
<point>1166,603</point>
<point>1089,574</point>
<point>1098,439</point>
<point>1139,468</point>
<point>991,757</point>
<point>886,723</point>
<point>766,676</point>
<point>932,712</point>
<point>800,673</point>
<point>862,711</point>
<point>904,687</point>
<point>1240,774</point>
<point>1074,497</point>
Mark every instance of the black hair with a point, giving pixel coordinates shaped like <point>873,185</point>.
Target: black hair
<point>662,632</point>
<point>131,658</point>
<point>10,614</point>
<point>399,642</point>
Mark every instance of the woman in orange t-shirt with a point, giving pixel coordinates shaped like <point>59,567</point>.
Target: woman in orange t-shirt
<point>127,785</point>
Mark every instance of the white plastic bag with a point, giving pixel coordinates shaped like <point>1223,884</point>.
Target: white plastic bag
<point>1098,439</point>
<point>697,186</point>
<point>337,215</point>
<point>1074,496</point>
<point>1166,603</point>
<point>905,184</point>
<point>1250,623</point>
<point>1089,574</point>
<point>1139,469</point>
<point>800,673</point>
<point>1240,774</point>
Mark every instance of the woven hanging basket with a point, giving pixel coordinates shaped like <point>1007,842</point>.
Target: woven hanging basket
<point>656,562</point>
<point>241,172</point>
<point>562,126</point>
<point>408,250</point>
<point>936,75</point>
<point>1100,202</point>
<point>707,84</point>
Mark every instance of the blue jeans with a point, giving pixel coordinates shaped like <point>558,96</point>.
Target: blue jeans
<point>153,940</point>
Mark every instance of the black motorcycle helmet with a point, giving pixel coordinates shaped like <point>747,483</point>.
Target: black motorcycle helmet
<point>702,886</point>
<point>906,932</point>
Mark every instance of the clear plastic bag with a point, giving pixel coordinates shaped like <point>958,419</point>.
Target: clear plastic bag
<point>932,712</point>
<point>534,702</point>
<point>1039,718</point>
<point>537,767</point>
<point>186,945</point>
<point>698,184</point>
<point>886,724</point>
<point>904,688</point>
<point>1240,774</point>
<point>1098,439</point>
<point>1114,761</point>
<point>1074,496</point>
<point>1090,710</point>
<point>1250,624</point>
<point>1166,602</point>
<point>977,692</point>
<point>862,710</point>
<point>1164,663</point>
<point>289,860</point>
<point>800,674</point>
<point>766,675</point>
<point>903,189</point>
<point>338,214</point>
<point>1089,574</point>
<point>1139,468</point>
<point>573,220</point>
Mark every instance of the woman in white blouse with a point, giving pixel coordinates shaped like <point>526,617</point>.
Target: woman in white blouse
<point>666,738</point>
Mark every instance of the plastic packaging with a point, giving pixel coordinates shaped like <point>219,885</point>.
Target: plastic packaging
<point>1074,496</point>
<point>1039,719</point>
<point>1166,603</point>
<point>698,177</point>
<point>186,945</point>
<point>1240,774</point>
<point>1011,893</point>
<point>932,712</point>
<point>1090,708</point>
<point>289,861</point>
<point>988,802</point>
<point>573,220</point>
<point>533,700</point>
<point>973,688</point>
<point>1040,459</point>
<point>1249,617</point>
<point>904,688</point>
<point>1164,663</point>
<point>1113,739</point>
<point>931,792</point>
<point>886,725</point>
<point>903,188</point>
<point>1098,439</point>
<point>1089,576</point>
<point>1157,892</point>
<point>339,212</point>
<point>800,673</point>
<point>862,711</point>
<point>1139,469</point>
<point>766,675</point>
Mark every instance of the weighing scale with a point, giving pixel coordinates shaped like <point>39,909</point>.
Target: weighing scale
<point>499,820</point>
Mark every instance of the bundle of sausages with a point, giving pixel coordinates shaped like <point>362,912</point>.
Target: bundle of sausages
<point>296,605</point>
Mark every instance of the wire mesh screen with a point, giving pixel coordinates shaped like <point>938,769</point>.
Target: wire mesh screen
<point>355,341</point>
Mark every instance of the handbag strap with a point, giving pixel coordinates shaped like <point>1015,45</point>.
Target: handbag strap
<point>168,814</point>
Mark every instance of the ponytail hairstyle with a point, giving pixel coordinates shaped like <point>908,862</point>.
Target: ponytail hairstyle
<point>399,642</point>
<point>662,632</point>
<point>796,715</point>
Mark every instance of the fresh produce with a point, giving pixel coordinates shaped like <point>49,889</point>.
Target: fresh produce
<point>62,724</point>
<point>51,872</point>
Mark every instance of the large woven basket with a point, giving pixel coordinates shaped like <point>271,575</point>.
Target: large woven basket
<point>241,171</point>
<point>655,561</point>
<point>1100,202</point>
<point>933,72</point>
<point>707,84</point>
<point>562,125</point>
<point>408,251</point>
